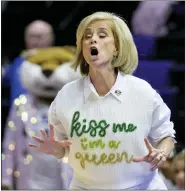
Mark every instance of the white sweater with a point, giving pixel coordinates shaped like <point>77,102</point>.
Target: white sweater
<point>107,132</point>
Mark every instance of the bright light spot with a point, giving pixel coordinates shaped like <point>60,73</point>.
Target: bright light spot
<point>24,116</point>
<point>11,147</point>
<point>33,120</point>
<point>17,102</point>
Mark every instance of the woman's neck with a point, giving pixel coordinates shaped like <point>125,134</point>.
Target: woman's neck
<point>103,80</point>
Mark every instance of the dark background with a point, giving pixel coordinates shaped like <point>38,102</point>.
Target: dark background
<point>62,15</point>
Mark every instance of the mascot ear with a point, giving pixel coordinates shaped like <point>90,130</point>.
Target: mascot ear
<point>63,54</point>
<point>71,49</point>
<point>28,53</point>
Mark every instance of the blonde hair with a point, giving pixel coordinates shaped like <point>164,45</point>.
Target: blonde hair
<point>127,59</point>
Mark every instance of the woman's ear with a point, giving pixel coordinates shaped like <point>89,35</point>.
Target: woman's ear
<point>115,52</point>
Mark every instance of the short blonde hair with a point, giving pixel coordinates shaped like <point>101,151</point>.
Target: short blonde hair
<point>127,59</point>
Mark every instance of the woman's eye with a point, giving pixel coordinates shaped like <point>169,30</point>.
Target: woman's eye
<point>102,35</point>
<point>87,36</point>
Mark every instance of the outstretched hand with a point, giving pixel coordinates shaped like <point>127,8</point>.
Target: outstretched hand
<point>48,144</point>
<point>155,156</point>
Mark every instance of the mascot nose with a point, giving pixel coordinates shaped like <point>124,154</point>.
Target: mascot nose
<point>47,73</point>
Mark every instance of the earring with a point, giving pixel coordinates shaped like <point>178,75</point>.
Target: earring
<point>114,58</point>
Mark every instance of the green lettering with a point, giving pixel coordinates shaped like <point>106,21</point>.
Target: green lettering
<point>111,158</point>
<point>84,144</point>
<point>120,158</point>
<point>123,127</point>
<point>113,144</point>
<point>131,127</point>
<point>95,144</point>
<point>93,126</point>
<point>103,126</point>
<point>75,126</point>
<point>87,157</point>
<point>82,160</point>
<point>103,157</point>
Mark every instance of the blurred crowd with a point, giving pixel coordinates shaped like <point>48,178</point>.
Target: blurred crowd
<point>158,22</point>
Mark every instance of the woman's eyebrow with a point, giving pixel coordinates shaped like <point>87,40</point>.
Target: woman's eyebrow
<point>88,30</point>
<point>103,28</point>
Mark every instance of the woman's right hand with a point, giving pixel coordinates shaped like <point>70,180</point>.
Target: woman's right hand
<point>48,144</point>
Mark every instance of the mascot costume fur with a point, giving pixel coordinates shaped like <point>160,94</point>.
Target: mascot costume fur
<point>43,74</point>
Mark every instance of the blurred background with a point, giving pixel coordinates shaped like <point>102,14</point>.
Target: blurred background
<point>158,29</point>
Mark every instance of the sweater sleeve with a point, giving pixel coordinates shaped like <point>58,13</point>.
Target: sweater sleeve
<point>161,125</point>
<point>59,130</point>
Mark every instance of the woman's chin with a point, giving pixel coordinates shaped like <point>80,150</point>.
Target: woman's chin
<point>99,65</point>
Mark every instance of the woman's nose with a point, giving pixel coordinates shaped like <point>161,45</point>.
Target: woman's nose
<point>93,40</point>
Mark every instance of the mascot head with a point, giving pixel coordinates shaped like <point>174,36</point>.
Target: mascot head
<point>45,71</point>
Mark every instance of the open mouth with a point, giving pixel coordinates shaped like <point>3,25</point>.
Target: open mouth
<point>94,51</point>
<point>49,88</point>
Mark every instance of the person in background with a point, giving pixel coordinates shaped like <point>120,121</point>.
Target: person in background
<point>38,34</point>
<point>178,169</point>
<point>173,172</point>
<point>150,18</point>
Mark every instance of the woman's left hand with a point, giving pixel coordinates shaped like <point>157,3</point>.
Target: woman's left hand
<point>156,157</point>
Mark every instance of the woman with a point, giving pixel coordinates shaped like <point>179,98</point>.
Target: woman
<point>104,121</point>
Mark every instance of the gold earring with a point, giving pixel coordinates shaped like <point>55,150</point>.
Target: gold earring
<point>114,58</point>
